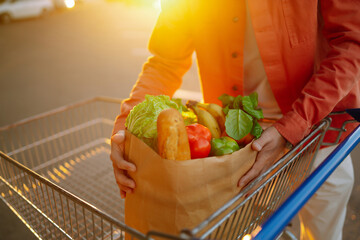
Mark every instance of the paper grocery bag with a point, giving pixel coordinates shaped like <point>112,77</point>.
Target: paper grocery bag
<point>173,195</point>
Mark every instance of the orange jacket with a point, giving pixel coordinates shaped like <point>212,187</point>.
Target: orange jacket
<point>313,67</point>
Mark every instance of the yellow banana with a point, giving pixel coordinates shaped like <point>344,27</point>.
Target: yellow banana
<point>206,119</point>
<point>216,111</point>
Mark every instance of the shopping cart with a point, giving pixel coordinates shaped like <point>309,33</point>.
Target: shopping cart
<point>56,176</point>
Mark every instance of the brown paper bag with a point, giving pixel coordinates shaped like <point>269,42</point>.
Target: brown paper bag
<point>174,195</point>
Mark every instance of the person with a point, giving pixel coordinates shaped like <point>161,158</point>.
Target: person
<point>303,59</point>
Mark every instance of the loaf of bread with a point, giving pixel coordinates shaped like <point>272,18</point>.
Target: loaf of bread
<point>173,141</point>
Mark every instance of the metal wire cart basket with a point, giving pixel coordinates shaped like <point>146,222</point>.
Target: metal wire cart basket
<point>56,175</point>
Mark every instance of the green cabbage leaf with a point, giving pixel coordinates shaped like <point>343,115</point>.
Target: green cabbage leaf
<point>142,119</point>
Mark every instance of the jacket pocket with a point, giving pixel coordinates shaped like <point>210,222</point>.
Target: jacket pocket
<point>301,21</point>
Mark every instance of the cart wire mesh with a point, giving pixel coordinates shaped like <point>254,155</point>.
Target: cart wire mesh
<point>56,175</point>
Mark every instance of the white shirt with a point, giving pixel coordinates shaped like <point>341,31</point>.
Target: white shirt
<point>255,79</point>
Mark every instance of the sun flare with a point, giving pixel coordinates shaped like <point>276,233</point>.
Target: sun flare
<point>69,3</point>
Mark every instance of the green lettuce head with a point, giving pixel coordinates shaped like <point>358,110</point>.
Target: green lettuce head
<point>142,119</point>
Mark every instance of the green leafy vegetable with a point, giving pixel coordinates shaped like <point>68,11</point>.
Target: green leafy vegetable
<point>242,113</point>
<point>238,123</point>
<point>250,104</point>
<point>256,130</point>
<point>142,119</point>
<point>237,104</point>
<point>226,109</point>
<point>181,106</point>
<point>226,99</point>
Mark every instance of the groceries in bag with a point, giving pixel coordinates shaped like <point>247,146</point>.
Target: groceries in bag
<point>237,119</point>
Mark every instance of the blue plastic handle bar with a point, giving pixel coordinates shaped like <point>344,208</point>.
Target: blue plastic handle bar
<point>280,218</point>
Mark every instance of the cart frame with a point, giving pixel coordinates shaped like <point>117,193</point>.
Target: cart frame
<point>51,211</point>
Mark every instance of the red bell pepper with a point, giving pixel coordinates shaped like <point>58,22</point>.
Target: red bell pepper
<point>199,140</point>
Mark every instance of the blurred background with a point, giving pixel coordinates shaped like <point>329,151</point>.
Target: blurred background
<point>57,52</point>
<point>70,54</point>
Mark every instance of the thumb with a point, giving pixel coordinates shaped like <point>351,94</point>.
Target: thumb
<point>118,140</point>
<point>118,137</point>
<point>257,145</point>
<point>266,137</point>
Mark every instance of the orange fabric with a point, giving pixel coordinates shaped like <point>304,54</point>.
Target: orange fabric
<point>287,36</point>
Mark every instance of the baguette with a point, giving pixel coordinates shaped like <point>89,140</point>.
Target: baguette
<point>173,141</point>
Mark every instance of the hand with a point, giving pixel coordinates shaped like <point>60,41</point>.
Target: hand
<point>120,165</point>
<point>270,145</point>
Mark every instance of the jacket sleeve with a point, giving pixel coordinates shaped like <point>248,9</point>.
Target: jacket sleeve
<point>337,74</point>
<point>171,47</point>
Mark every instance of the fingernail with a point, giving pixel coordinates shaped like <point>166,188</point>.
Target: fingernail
<point>131,168</point>
<point>122,195</point>
<point>257,146</point>
<point>241,184</point>
<point>121,133</point>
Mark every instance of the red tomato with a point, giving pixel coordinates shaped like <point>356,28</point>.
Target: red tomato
<point>199,140</point>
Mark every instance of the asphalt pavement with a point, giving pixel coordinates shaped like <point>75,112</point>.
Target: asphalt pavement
<point>96,49</point>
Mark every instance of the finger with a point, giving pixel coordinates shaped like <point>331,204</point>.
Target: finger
<point>123,180</point>
<point>259,143</point>
<point>122,194</point>
<point>117,154</point>
<point>251,191</point>
<point>125,189</point>
<point>118,137</point>
<point>118,140</point>
<point>256,145</point>
<point>250,175</point>
<point>264,139</point>
<point>117,159</point>
<point>259,165</point>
